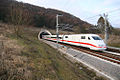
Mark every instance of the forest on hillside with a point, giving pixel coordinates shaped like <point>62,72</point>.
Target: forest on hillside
<point>19,13</point>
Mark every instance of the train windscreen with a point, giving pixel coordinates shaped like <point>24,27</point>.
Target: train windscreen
<point>96,38</point>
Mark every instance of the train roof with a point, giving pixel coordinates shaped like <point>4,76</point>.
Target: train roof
<point>81,34</point>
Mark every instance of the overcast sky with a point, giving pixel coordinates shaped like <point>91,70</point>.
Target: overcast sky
<point>87,10</point>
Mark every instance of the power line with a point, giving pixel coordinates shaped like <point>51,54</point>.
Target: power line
<point>92,16</point>
<point>115,14</point>
<point>116,20</point>
<point>111,11</point>
<point>67,5</point>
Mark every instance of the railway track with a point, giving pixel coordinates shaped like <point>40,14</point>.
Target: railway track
<point>113,50</point>
<point>104,55</point>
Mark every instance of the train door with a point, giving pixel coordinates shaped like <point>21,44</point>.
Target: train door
<point>84,41</point>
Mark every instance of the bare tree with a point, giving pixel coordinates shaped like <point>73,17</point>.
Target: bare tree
<point>19,16</point>
<point>101,25</point>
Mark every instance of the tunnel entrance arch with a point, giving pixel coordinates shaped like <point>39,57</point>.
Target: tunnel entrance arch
<point>43,32</point>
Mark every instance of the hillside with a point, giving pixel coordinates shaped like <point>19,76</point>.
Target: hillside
<point>27,58</point>
<point>12,11</point>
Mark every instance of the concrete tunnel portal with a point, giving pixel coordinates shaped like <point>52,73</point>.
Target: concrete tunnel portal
<point>43,32</point>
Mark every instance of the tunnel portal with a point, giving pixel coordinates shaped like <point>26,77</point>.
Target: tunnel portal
<point>43,32</point>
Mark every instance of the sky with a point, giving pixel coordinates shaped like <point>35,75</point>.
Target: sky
<point>86,10</point>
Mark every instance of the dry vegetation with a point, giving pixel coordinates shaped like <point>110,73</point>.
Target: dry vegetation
<point>26,58</point>
<point>114,41</point>
<point>12,65</point>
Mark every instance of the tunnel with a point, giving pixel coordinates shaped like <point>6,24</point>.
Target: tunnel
<point>43,32</point>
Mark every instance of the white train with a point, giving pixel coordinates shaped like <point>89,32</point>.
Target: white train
<point>91,41</point>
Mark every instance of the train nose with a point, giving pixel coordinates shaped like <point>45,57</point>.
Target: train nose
<point>102,45</point>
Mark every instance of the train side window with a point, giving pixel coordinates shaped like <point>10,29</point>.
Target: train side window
<point>88,38</point>
<point>82,37</point>
<point>53,37</point>
<point>60,37</point>
<point>66,36</point>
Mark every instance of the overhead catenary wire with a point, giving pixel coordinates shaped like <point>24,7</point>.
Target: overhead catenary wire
<point>93,16</point>
<point>67,5</point>
<point>92,19</point>
<point>111,11</point>
<point>116,20</point>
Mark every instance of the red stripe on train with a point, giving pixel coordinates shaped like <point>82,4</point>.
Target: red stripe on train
<point>77,42</point>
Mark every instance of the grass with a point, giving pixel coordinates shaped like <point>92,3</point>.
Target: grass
<point>45,63</point>
<point>114,45</point>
